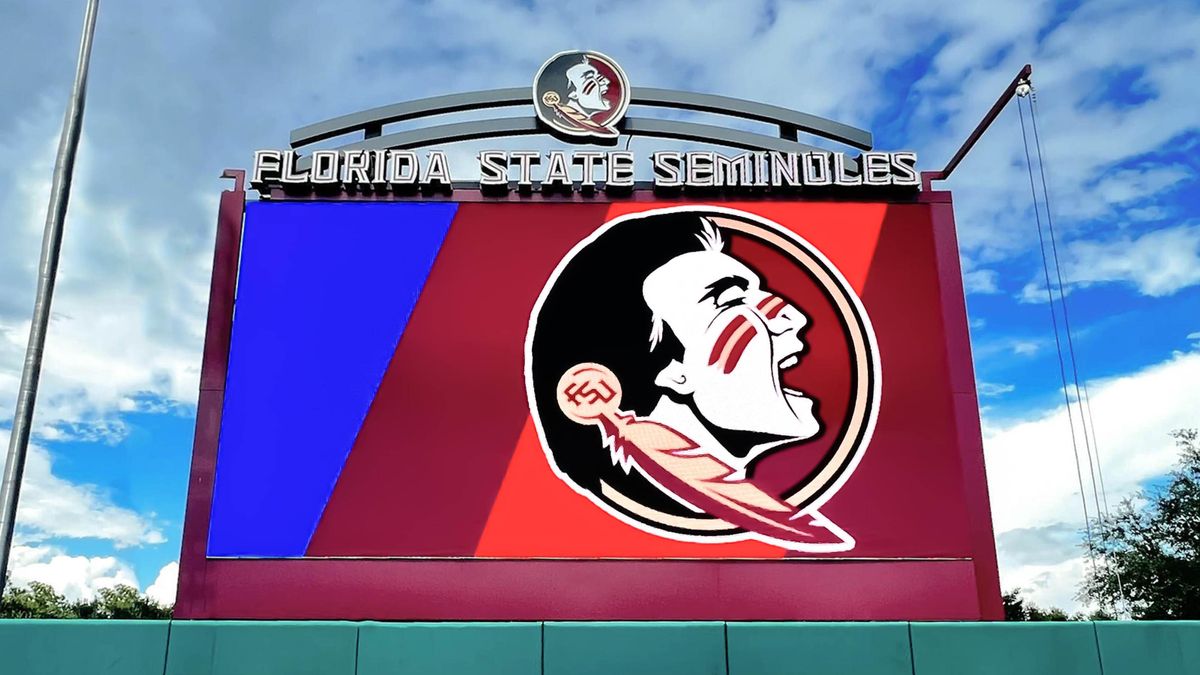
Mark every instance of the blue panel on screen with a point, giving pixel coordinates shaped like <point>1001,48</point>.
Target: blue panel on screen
<point>324,293</point>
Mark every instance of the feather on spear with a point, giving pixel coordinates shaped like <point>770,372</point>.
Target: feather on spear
<point>574,117</point>
<point>590,393</point>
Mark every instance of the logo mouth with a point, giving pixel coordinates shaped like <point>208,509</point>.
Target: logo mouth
<point>788,362</point>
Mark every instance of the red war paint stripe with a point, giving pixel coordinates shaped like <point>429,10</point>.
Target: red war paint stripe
<point>723,339</point>
<point>738,348</point>
<point>771,306</point>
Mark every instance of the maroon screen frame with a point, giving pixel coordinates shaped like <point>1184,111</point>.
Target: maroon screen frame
<point>341,588</point>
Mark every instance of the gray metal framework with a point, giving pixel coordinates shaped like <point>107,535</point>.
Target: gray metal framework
<point>371,122</point>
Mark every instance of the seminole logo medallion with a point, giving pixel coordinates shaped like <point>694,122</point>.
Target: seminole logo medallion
<point>705,375</point>
<point>581,93</point>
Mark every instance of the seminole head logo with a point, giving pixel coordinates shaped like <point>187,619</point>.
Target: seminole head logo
<point>705,375</point>
<point>581,93</point>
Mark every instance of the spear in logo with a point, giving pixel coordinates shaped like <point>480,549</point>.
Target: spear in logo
<point>590,393</point>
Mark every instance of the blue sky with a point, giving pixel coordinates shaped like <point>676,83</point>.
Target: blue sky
<point>175,97</point>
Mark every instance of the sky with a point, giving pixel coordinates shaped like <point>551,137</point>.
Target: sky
<point>177,96</point>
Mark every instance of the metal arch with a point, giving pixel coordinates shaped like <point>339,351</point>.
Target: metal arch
<point>398,112</point>
<point>443,133</point>
<point>522,126</point>
<point>789,121</point>
<point>708,133</point>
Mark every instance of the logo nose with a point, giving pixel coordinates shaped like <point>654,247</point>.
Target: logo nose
<point>781,315</point>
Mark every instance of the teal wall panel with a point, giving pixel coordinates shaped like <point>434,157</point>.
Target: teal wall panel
<point>73,647</point>
<point>633,648</point>
<point>819,648</point>
<point>1067,648</point>
<point>450,648</point>
<point>261,648</point>
<point>1158,647</point>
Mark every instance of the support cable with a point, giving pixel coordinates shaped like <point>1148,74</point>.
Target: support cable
<point>1087,404</point>
<point>1066,316</point>
<point>1095,440</point>
<point>1082,399</point>
<point>1087,520</point>
<point>1089,439</point>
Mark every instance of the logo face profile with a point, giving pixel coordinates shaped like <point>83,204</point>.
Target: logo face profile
<point>581,93</point>
<point>668,371</point>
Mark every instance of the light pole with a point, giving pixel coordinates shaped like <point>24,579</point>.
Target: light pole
<point>60,191</point>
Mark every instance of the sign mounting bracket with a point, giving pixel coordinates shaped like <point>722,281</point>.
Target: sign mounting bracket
<point>1013,89</point>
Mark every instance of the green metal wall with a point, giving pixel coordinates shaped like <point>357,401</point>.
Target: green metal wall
<point>687,648</point>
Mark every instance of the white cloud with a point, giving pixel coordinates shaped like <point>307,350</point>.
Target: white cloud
<point>1148,213</point>
<point>76,577</point>
<point>1032,476</point>
<point>981,281</point>
<point>1123,186</point>
<point>127,314</point>
<point>1026,347</point>
<point>51,507</point>
<point>1158,263</point>
<point>163,588</point>
<point>1035,292</point>
<point>994,389</point>
<point>1050,584</point>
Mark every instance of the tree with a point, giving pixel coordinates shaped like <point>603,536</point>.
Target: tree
<point>36,601</point>
<point>41,601</point>
<point>1017,608</point>
<point>1148,551</point>
<point>125,602</point>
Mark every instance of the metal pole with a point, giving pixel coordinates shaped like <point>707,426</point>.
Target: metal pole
<point>1012,89</point>
<point>60,191</point>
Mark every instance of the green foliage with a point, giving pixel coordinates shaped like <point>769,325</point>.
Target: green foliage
<point>36,601</point>
<point>40,601</point>
<point>1017,608</point>
<point>1148,551</point>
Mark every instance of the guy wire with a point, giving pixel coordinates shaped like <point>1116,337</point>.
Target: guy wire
<point>1087,520</point>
